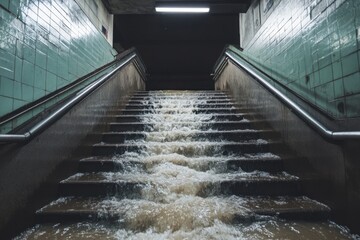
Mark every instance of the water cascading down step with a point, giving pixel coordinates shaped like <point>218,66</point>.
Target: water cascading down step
<point>184,165</point>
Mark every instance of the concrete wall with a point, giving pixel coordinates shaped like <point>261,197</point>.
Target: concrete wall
<point>29,173</point>
<point>335,166</point>
<point>45,45</point>
<point>312,46</point>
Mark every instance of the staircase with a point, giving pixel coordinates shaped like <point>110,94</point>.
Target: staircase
<point>185,165</point>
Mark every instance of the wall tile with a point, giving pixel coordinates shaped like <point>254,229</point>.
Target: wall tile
<point>18,103</point>
<point>337,69</point>
<point>40,59</point>
<point>4,3</point>
<point>38,93</point>
<point>350,64</point>
<point>316,78</point>
<point>348,43</point>
<point>19,49</point>
<point>18,69</point>
<point>7,43</point>
<point>325,47</point>
<point>29,53</point>
<point>352,105</point>
<point>27,93</point>
<point>50,82</point>
<point>351,84</point>
<point>7,62</point>
<point>40,77</point>
<point>326,74</point>
<point>14,6</point>
<point>45,45</point>
<point>6,105</point>
<point>339,88</point>
<point>61,82</point>
<point>6,87</point>
<point>338,108</point>
<point>17,90</point>
<point>28,73</point>
<point>52,63</point>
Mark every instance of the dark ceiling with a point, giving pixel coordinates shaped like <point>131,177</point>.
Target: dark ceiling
<point>179,50</point>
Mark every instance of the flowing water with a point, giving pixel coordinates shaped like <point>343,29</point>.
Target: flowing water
<point>179,196</point>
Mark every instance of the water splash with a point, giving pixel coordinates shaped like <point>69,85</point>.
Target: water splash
<point>261,230</point>
<point>177,172</point>
<point>184,213</point>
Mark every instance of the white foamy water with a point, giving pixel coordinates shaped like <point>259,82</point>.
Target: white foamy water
<point>269,228</point>
<point>184,134</point>
<point>184,213</point>
<point>180,176</point>
<point>216,162</point>
<point>193,148</point>
<point>177,173</point>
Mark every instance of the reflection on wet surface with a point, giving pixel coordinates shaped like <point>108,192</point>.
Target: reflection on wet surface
<point>266,229</point>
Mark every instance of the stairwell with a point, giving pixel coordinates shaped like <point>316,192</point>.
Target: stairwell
<point>185,165</point>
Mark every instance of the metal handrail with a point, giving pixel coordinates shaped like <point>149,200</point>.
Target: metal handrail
<point>13,138</point>
<point>265,81</point>
<point>66,89</point>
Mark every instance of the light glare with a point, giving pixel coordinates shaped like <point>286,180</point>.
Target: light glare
<point>183,9</point>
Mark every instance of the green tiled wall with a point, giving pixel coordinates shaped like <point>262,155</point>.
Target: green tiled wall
<point>314,48</point>
<point>45,45</point>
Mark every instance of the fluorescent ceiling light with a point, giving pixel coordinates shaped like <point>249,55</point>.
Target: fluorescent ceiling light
<point>183,9</point>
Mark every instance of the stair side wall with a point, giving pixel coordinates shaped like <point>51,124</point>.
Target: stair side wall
<point>336,165</point>
<point>29,174</point>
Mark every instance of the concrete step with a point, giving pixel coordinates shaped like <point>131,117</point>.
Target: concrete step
<point>213,117</point>
<point>196,95</point>
<point>183,96</point>
<point>172,111</point>
<point>216,125</point>
<point>200,98</point>
<point>233,135</point>
<point>119,185</point>
<point>97,188</point>
<point>201,106</point>
<point>259,229</point>
<point>213,111</point>
<point>180,92</point>
<point>271,164</point>
<point>188,148</point>
<point>224,159</point>
<point>104,164</point>
<point>205,101</point>
<point>101,209</point>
